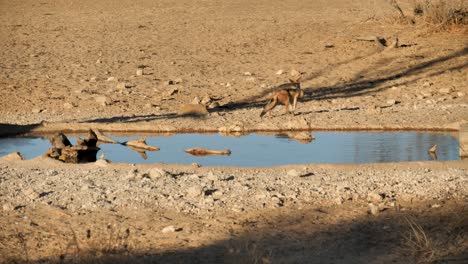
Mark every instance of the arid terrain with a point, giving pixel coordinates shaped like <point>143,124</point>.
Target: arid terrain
<point>131,65</point>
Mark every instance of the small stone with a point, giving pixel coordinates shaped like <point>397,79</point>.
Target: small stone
<point>30,193</point>
<point>293,173</point>
<point>7,207</point>
<point>196,165</point>
<point>157,173</point>
<point>374,209</point>
<point>178,80</point>
<point>111,79</point>
<point>214,105</point>
<point>172,91</point>
<point>36,110</point>
<point>211,176</point>
<point>196,100</point>
<point>93,79</point>
<point>248,74</point>
<point>279,72</point>
<point>445,91</point>
<point>68,106</point>
<point>390,102</point>
<point>427,84</point>
<point>436,206</point>
<point>250,79</point>
<point>168,229</point>
<point>194,191</point>
<point>169,82</point>
<point>295,73</point>
<point>460,94</point>
<point>98,61</point>
<point>101,162</point>
<point>339,200</point>
<point>123,85</point>
<point>103,100</point>
<point>139,71</point>
<point>329,45</point>
<point>206,100</point>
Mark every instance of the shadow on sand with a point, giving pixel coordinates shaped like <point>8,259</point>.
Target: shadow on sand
<point>366,82</point>
<point>316,235</point>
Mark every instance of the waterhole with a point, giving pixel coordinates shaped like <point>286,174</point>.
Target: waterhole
<point>258,150</point>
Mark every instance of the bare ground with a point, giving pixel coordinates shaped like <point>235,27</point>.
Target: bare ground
<point>70,65</point>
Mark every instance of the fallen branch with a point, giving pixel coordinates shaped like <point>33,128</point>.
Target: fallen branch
<point>206,152</point>
<point>140,144</point>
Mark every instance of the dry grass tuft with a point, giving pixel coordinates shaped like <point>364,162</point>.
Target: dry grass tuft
<point>417,241</point>
<point>437,14</point>
<point>442,13</point>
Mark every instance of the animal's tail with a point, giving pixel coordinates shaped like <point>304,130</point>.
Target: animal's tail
<point>269,106</point>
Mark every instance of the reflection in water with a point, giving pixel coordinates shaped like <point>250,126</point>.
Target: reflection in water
<point>269,150</point>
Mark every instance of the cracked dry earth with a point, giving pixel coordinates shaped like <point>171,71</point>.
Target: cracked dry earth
<point>72,65</point>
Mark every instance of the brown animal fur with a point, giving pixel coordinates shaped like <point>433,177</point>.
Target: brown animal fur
<point>287,92</point>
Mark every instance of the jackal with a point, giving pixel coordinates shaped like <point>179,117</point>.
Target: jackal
<point>285,93</point>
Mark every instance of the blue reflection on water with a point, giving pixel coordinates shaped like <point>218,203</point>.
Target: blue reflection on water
<point>257,150</point>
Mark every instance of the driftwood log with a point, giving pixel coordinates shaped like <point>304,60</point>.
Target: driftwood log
<point>101,137</point>
<point>63,150</point>
<point>206,152</point>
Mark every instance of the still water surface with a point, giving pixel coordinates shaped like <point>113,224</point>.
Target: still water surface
<point>268,150</point>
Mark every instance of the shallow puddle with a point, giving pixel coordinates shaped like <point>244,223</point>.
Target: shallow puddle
<point>257,150</point>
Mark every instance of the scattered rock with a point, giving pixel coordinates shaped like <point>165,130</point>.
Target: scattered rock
<point>374,209</point>
<point>139,71</point>
<point>206,100</point>
<point>248,74</point>
<point>36,110</point>
<point>169,82</point>
<point>168,229</point>
<point>214,105</point>
<point>123,85</point>
<point>103,100</point>
<point>172,91</point>
<point>445,91</point>
<point>111,79</point>
<point>390,102</point>
<point>102,162</point>
<point>68,106</point>
<point>339,200</point>
<point>157,173</point>
<point>295,73</point>
<point>196,100</point>
<point>194,191</point>
<point>279,72</point>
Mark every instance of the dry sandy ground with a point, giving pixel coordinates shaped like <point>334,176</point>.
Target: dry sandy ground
<point>72,65</point>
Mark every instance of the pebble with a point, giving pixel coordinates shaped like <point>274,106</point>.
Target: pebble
<point>279,72</point>
<point>168,229</point>
<point>374,209</point>
<point>36,110</point>
<point>293,173</point>
<point>194,191</point>
<point>157,173</point>
<point>103,100</point>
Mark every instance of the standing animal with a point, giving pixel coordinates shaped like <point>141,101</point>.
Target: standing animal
<point>284,94</point>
